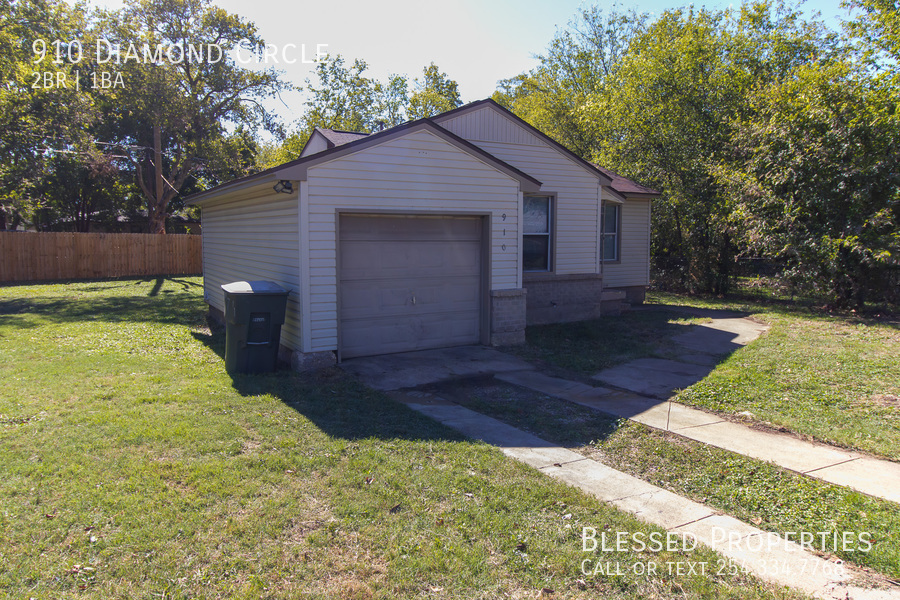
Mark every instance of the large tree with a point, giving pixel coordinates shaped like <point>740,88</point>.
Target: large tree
<point>816,183</point>
<point>658,101</point>
<point>434,94</point>
<point>171,116</point>
<point>572,76</point>
<point>41,111</point>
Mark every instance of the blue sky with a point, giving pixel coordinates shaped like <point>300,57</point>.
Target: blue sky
<point>476,42</point>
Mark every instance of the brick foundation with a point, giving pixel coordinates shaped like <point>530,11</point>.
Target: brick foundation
<point>507,317</point>
<point>565,298</point>
<point>635,294</point>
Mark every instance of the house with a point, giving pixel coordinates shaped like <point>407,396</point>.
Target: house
<point>457,229</point>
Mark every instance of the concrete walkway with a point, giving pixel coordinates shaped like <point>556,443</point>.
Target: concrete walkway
<point>879,478</point>
<point>642,391</point>
<point>642,383</point>
<point>767,555</point>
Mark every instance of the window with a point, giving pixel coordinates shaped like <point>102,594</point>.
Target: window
<point>536,227</point>
<point>610,232</point>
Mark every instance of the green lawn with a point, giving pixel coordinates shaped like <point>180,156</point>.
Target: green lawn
<point>833,378</point>
<point>586,347</point>
<point>751,490</point>
<point>133,466</point>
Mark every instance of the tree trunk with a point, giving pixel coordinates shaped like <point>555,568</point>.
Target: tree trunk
<point>156,209</point>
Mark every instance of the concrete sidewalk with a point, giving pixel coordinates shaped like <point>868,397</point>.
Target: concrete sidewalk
<point>645,386</point>
<point>878,478</point>
<point>749,547</point>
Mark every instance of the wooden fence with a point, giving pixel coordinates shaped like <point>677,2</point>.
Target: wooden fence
<point>26,256</point>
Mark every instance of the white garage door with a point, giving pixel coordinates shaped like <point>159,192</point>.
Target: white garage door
<point>409,283</point>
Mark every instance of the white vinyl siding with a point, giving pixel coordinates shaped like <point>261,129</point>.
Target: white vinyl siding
<point>416,173</point>
<point>254,238</point>
<point>488,125</point>
<point>633,266</point>
<point>576,189</point>
<point>316,143</point>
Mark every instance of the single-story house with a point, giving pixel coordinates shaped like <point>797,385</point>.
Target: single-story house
<point>458,229</point>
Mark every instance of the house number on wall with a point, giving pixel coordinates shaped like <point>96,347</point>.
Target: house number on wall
<point>503,247</point>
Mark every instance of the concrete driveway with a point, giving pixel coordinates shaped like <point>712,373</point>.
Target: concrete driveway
<point>414,369</point>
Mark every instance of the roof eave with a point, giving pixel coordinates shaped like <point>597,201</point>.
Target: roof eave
<point>232,187</point>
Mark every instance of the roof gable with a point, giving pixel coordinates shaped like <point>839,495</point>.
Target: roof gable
<point>323,138</point>
<point>527,134</point>
<point>295,170</point>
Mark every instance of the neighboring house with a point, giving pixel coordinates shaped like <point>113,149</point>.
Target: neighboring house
<point>458,229</point>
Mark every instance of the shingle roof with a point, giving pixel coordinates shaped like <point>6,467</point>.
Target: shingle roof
<point>339,138</point>
<point>624,186</point>
<point>363,140</point>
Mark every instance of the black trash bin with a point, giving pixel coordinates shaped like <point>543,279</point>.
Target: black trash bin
<point>254,313</point>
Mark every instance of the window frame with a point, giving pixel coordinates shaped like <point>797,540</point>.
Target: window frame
<point>616,235</point>
<point>550,234</point>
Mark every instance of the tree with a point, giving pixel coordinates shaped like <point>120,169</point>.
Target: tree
<point>435,94</point>
<point>572,76</point>
<point>344,99</point>
<point>81,187</point>
<point>170,115</point>
<point>877,34</point>
<point>816,182</point>
<point>40,110</point>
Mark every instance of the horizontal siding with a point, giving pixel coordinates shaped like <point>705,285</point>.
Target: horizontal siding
<point>254,238</point>
<point>316,143</point>
<point>634,266</point>
<point>576,201</point>
<point>488,125</point>
<point>417,172</point>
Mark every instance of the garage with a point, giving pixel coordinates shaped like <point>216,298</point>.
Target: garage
<point>409,282</point>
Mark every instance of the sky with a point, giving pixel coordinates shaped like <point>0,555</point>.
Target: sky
<point>476,42</point>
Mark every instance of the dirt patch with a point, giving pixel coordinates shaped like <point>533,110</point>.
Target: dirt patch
<point>884,400</point>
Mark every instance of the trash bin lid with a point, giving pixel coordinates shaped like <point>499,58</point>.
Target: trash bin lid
<point>253,287</point>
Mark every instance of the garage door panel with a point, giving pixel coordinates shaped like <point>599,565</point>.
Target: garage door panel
<point>409,283</point>
<point>413,333</point>
<point>392,259</point>
<point>409,228</point>
<point>360,298</point>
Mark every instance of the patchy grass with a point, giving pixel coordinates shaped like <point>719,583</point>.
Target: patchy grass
<point>756,492</point>
<point>834,378</point>
<point>830,377</point>
<point>133,466</point>
<point>590,346</point>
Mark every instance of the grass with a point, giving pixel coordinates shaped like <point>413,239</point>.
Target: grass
<point>834,378</point>
<point>830,377</point>
<point>756,492</point>
<point>133,466</point>
<point>589,346</point>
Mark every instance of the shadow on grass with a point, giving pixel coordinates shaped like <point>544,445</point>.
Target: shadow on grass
<point>645,341</point>
<point>170,307</point>
<point>588,347</point>
<point>336,402</point>
<point>762,300</point>
<point>556,421</point>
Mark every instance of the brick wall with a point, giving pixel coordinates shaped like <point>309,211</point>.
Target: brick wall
<point>635,294</point>
<point>507,317</point>
<point>564,298</point>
